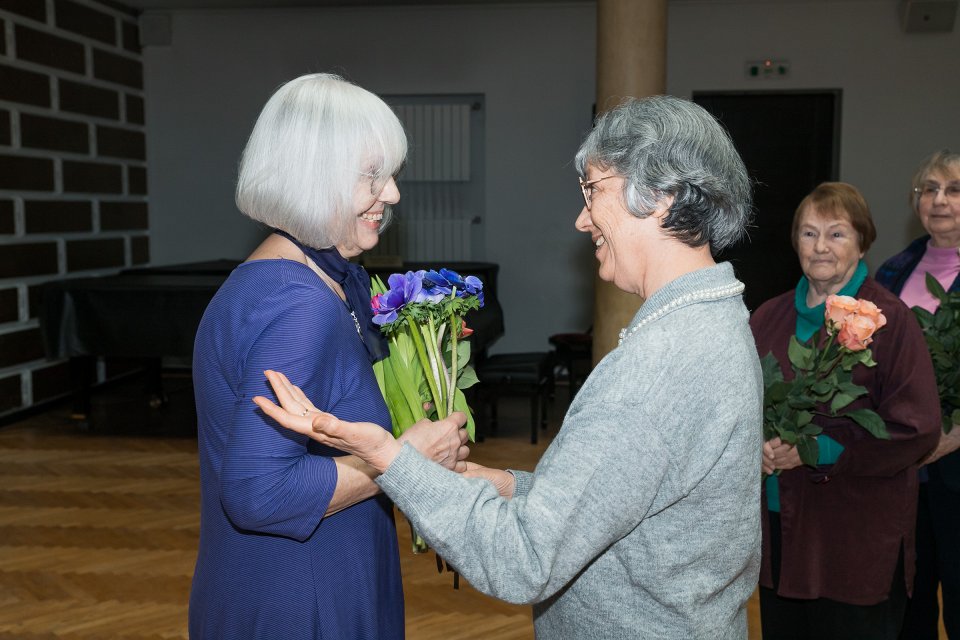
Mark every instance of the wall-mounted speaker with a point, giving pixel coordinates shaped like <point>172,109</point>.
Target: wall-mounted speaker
<point>928,16</point>
<point>156,30</point>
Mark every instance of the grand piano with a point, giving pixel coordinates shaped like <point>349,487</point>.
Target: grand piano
<point>152,313</point>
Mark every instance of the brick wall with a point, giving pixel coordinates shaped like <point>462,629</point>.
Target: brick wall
<point>73,193</point>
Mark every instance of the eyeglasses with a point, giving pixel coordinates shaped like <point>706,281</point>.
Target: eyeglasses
<point>586,187</point>
<point>930,191</point>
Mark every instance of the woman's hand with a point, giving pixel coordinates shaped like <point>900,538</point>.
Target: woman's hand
<point>949,442</point>
<point>503,481</point>
<point>368,441</point>
<point>777,455</point>
<point>442,441</point>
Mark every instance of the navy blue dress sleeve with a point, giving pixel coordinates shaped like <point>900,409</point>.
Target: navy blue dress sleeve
<point>270,482</point>
<point>270,564</point>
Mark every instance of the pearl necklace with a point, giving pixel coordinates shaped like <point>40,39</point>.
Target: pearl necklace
<point>702,295</point>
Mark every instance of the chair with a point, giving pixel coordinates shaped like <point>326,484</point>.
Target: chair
<point>518,373</point>
<point>574,349</point>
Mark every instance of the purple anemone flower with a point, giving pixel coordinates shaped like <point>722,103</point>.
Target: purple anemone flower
<point>436,282</point>
<point>453,279</point>
<point>473,285</point>
<point>404,289</point>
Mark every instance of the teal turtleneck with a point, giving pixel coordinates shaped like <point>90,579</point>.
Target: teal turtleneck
<point>809,322</point>
<point>810,319</point>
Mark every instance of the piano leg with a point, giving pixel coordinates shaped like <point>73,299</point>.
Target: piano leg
<point>82,374</point>
<point>156,398</point>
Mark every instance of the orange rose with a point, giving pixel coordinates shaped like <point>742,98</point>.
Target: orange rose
<point>871,311</point>
<point>856,332</point>
<point>838,308</point>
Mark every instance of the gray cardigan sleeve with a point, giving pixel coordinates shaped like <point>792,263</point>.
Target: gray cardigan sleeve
<point>592,487</point>
<point>522,480</point>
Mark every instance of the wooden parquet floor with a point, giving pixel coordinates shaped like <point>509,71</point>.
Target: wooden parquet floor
<point>98,530</point>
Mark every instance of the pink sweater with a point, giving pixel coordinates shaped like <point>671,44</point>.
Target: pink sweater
<point>943,263</point>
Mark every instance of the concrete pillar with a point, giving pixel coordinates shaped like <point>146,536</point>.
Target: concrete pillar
<point>631,61</point>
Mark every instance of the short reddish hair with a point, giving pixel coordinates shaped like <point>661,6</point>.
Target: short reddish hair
<point>838,200</point>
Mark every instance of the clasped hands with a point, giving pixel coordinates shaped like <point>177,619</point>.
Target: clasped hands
<point>443,441</point>
<point>779,456</point>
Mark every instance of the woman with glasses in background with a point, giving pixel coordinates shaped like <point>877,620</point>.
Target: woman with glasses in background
<point>935,199</point>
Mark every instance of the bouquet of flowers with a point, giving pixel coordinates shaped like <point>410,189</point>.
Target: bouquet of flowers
<point>942,333</point>
<point>822,376</point>
<point>421,313</point>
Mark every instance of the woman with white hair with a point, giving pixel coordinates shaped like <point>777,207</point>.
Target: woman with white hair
<point>642,519</point>
<point>296,539</point>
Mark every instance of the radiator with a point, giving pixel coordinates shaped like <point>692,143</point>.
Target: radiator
<point>428,240</point>
<point>433,222</point>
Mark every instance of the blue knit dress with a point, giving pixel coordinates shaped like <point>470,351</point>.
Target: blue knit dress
<point>270,565</point>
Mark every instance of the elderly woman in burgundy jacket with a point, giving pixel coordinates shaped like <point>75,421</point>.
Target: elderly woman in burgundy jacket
<point>838,538</point>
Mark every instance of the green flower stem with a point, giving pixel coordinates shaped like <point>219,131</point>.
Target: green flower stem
<point>454,329</point>
<point>409,390</point>
<point>823,352</point>
<point>439,369</point>
<point>425,363</point>
<point>833,365</point>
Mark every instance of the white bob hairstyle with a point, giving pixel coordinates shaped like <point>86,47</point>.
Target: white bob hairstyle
<point>316,139</point>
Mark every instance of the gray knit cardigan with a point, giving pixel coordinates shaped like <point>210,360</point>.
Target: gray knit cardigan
<point>642,519</point>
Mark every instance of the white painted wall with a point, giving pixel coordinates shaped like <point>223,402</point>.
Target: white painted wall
<point>899,101</point>
<point>535,64</point>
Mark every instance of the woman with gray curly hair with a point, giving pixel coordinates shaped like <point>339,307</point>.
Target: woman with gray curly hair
<point>642,518</point>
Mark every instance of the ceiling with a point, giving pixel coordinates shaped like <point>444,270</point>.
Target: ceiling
<point>161,5</point>
<point>156,5</point>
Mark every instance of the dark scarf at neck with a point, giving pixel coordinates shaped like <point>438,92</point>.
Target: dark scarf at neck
<point>355,282</point>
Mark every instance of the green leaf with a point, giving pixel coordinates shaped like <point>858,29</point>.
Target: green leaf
<point>865,358</point>
<point>771,370</point>
<point>811,430</point>
<point>402,386</point>
<point>936,289</point>
<point>942,321</point>
<point>823,387</point>
<point>463,350</point>
<point>378,374</point>
<point>400,413</point>
<point>377,286</point>
<point>788,435</point>
<point>924,317</point>
<point>870,421</point>
<point>809,451</point>
<point>840,401</point>
<point>800,356</point>
<point>801,401</point>
<point>460,404</point>
<point>467,378</point>
<point>851,389</point>
<point>777,392</point>
<point>954,418</point>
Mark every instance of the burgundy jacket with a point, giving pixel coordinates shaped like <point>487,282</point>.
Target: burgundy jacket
<point>843,525</point>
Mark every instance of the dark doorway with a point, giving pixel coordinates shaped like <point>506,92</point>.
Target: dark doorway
<point>790,142</point>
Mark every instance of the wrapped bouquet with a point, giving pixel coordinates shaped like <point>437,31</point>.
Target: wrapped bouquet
<point>421,313</point>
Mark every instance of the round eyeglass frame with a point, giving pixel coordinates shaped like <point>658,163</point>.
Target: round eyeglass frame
<point>586,188</point>
<point>950,191</point>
